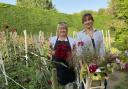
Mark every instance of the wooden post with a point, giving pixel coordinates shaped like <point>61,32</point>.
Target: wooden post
<point>109,40</point>
<point>25,37</point>
<point>54,79</point>
<point>3,69</point>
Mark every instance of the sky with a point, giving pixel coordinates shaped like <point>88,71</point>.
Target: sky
<point>73,6</point>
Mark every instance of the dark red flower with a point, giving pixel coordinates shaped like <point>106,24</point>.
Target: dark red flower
<point>14,30</point>
<point>126,66</point>
<point>62,51</point>
<point>92,68</point>
<point>80,43</point>
<point>49,82</point>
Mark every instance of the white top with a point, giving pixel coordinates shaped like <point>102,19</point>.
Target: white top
<point>98,39</point>
<point>52,40</point>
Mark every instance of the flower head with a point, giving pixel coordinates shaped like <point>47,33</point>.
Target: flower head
<point>62,51</point>
<point>14,30</point>
<point>49,82</point>
<point>80,43</point>
<point>93,68</point>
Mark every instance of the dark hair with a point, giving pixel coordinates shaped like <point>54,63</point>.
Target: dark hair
<point>87,15</point>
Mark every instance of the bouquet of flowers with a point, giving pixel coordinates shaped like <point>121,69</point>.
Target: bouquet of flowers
<point>86,53</point>
<point>93,65</point>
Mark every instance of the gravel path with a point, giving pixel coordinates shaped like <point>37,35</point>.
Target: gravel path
<point>115,79</point>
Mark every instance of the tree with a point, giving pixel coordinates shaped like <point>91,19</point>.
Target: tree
<point>45,4</point>
<point>119,10</point>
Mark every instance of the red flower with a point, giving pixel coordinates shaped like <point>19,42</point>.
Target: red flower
<point>14,30</point>
<point>49,82</point>
<point>126,66</point>
<point>92,68</point>
<point>62,51</point>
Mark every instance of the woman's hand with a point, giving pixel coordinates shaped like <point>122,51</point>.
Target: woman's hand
<point>51,52</point>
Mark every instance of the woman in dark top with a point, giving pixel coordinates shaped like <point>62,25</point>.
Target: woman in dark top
<point>63,46</point>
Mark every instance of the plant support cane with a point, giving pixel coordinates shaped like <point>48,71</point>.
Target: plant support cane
<point>25,36</point>
<point>3,69</point>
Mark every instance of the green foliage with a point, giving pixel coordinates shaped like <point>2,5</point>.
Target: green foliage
<point>33,76</point>
<point>119,10</point>
<point>44,4</point>
<point>102,11</point>
<point>35,19</point>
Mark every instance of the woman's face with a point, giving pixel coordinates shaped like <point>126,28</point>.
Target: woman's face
<point>88,22</point>
<point>62,31</point>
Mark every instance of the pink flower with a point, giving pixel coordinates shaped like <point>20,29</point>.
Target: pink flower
<point>80,43</point>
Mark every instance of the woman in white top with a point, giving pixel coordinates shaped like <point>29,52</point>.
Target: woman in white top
<point>91,38</point>
<point>62,46</point>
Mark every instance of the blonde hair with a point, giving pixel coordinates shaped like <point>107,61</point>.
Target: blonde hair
<point>61,24</point>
